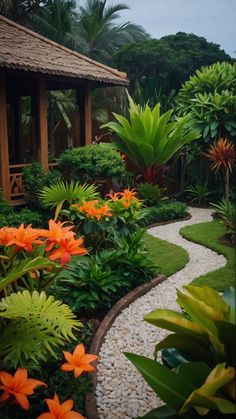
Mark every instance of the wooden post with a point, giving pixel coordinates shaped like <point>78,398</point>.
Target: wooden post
<point>88,115</point>
<point>42,123</point>
<point>4,152</point>
<point>83,98</point>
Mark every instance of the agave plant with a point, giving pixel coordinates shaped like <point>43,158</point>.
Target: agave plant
<point>222,154</point>
<point>199,192</point>
<point>150,139</point>
<point>226,210</point>
<point>36,325</point>
<point>55,195</point>
<point>204,332</point>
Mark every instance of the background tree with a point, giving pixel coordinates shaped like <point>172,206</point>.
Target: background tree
<point>99,35</point>
<point>161,66</point>
<point>20,10</point>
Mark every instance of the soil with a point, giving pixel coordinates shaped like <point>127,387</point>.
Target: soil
<point>228,240</point>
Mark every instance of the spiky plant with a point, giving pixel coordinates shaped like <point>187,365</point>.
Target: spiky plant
<point>222,154</point>
<point>226,211</point>
<point>36,325</point>
<point>59,193</point>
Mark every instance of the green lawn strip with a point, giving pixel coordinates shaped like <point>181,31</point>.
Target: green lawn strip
<point>208,235</point>
<point>169,257</point>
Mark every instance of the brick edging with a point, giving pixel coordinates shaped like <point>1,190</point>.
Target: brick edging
<point>90,402</point>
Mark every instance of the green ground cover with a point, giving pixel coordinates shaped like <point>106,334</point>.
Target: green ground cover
<point>208,234</point>
<point>169,257</point>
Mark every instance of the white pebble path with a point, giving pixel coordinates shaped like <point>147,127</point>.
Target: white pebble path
<point>121,392</point>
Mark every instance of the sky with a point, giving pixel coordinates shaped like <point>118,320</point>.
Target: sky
<point>215,20</point>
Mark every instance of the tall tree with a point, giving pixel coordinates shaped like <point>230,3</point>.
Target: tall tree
<point>99,34</point>
<point>57,21</point>
<point>167,62</point>
<point>20,10</point>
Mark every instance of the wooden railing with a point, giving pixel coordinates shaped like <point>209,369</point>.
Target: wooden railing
<point>17,193</point>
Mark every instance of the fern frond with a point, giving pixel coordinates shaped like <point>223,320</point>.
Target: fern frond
<point>37,326</point>
<point>57,194</point>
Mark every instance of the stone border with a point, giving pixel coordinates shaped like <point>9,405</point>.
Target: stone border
<point>176,220</point>
<point>90,402</point>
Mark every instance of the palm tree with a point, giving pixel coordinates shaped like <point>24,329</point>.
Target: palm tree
<point>20,10</point>
<point>57,20</point>
<point>99,36</point>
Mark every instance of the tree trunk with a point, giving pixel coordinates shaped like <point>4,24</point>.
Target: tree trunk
<point>227,185</point>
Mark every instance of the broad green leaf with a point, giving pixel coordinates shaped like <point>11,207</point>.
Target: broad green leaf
<point>227,332</point>
<point>230,298</point>
<point>163,412</point>
<point>175,322</point>
<point>191,345</point>
<point>210,297</point>
<point>24,267</point>
<point>203,398</point>
<point>170,386</point>
<point>195,372</point>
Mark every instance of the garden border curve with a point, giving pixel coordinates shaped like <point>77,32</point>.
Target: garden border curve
<point>90,402</point>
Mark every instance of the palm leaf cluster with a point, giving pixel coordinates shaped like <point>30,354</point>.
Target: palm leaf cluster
<point>36,326</point>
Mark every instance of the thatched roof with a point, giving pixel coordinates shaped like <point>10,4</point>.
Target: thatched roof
<point>23,49</point>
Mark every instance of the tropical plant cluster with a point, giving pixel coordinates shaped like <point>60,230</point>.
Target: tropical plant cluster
<point>197,377</point>
<point>89,255</point>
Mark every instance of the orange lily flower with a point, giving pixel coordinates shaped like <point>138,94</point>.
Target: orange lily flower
<point>18,386</point>
<point>67,249</point>
<point>24,237</point>
<point>59,410</point>
<point>78,361</point>
<point>113,195</point>
<point>127,194</point>
<point>222,154</point>
<point>6,234</point>
<point>92,209</point>
<point>56,232</point>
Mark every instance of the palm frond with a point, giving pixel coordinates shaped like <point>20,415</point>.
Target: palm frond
<point>36,326</point>
<point>57,194</point>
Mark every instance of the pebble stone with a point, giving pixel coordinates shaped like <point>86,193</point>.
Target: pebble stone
<point>121,392</point>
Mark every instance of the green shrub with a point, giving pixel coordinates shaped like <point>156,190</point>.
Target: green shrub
<point>97,281</point>
<point>150,194</point>
<point>26,216</point>
<point>92,163</point>
<point>35,178</point>
<point>4,206</point>
<point>167,211</point>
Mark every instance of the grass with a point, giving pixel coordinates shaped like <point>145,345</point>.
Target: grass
<point>169,257</point>
<point>208,234</point>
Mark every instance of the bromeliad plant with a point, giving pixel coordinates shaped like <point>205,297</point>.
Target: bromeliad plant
<point>203,382</point>
<point>222,154</point>
<point>150,139</point>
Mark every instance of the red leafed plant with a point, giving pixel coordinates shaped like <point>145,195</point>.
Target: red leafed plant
<point>222,154</point>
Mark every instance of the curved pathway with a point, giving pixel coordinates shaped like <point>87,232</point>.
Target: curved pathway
<point>121,392</point>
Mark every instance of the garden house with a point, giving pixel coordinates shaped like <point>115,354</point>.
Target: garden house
<point>31,66</point>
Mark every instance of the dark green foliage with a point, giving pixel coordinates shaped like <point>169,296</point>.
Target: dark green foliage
<point>150,194</point>
<point>92,163</point>
<point>166,211</point>
<point>14,218</point>
<point>97,281</point>
<point>166,63</point>
<point>199,193</point>
<point>4,206</point>
<point>35,178</point>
